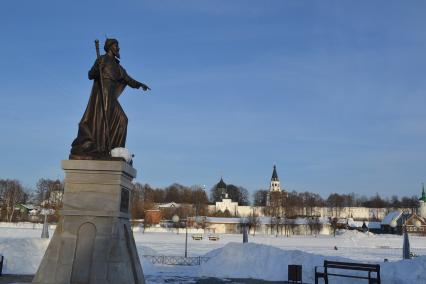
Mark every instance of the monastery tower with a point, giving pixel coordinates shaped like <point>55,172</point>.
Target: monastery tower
<point>422,201</point>
<point>275,181</point>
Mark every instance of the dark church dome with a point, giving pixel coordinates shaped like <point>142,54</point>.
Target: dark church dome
<point>221,184</point>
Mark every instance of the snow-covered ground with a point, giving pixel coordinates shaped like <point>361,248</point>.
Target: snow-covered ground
<point>264,257</point>
<point>350,244</point>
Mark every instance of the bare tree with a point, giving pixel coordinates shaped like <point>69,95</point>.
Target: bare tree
<point>12,193</point>
<point>49,193</point>
<point>292,202</point>
<point>395,203</point>
<point>310,201</point>
<point>333,223</point>
<point>285,224</point>
<point>291,223</point>
<point>235,193</point>
<point>275,209</point>
<point>336,202</point>
<point>199,200</point>
<point>410,202</point>
<point>260,197</point>
<point>253,222</point>
<point>314,225</point>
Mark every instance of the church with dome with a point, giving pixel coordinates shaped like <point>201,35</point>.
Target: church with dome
<point>233,209</point>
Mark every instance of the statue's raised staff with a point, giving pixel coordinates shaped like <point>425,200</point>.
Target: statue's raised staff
<point>104,123</point>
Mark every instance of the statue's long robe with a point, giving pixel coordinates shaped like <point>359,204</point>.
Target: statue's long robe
<point>92,138</point>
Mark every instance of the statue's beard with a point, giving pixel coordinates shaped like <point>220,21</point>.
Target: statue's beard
<point>117,54</point>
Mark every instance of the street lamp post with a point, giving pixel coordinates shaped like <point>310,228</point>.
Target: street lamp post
<point>406,245</point>
<point>245,233</point>
<point>45,231</point>
<point>186,238</point>
<point>176,219</point>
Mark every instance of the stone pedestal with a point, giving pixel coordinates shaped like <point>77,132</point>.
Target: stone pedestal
<point>93,242</point>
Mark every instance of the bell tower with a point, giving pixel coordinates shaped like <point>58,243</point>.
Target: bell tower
<point>422,201</point>
<point>274,188</point>
<point>275,181</point>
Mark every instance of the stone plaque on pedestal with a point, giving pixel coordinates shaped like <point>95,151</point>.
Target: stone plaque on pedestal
<point>93,242</point>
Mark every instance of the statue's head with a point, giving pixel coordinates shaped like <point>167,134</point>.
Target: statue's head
<point>111,45</point>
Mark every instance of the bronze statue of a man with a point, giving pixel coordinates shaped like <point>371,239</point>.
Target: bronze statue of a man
<point>104,124</point>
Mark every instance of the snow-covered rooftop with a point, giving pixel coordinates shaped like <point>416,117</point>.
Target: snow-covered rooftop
<point>358,224</point>
<point>391,216</point>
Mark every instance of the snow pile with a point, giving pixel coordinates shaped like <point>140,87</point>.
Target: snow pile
<point>250,260</point>
<point>22,256</point>
<point>257,261</point>
<point>352,234</point>
<point>404,271</point>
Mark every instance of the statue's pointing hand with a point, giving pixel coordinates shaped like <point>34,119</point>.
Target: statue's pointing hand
<point>144,87</point>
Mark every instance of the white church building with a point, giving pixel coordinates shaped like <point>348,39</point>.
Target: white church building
<point>356,213</point>
<point>226,204</point>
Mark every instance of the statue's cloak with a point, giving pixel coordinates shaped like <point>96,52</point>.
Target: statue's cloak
<point>93,134</point>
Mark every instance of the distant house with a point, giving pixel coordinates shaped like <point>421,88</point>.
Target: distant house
<point>152,217</point>
<point>24,208</point>
<point>220,225</point>
<point>410,223</point>
<point>402,219</point>
<point>371,226</point>
<point>374,227</point>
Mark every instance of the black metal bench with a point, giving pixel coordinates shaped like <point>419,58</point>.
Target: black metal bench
<point>372,269</point>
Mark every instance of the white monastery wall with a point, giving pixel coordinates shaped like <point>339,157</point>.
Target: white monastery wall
<point>357,213</point>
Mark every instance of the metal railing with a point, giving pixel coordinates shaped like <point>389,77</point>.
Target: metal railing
<point>176,260</point>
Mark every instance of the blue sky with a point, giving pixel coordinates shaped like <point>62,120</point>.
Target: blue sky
<point>333,92</point>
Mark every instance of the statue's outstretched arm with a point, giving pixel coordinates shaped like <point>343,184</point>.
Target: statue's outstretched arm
<point>133,83</point>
